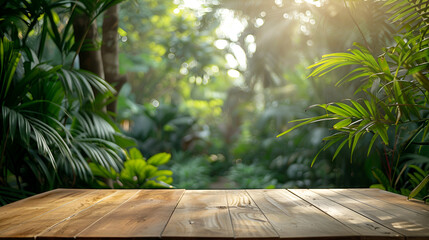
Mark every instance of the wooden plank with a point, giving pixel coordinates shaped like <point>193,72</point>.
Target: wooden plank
<point>143,216</point>
<point>23,210</point>
<point>71,227</point>
<point>385,206</point>
<point>36,225</point>
<point>294,218</point>
<point>200,214</point>
<point>414,205</point>
<point>360,224</point>
<point>390,219</point>
<point>247,219</point>
<point>203,198</point>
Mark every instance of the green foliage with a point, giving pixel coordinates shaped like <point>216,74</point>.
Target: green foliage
<point>137,172</point>
<point>191,172</point>
<point>51,115</point>
<point>164,46</point>
<point>417,181</point>
<point>9,194</point>
<point>281,47</point>
<point>393,90</point>
<point>164,128</point>
<point>251,176</point>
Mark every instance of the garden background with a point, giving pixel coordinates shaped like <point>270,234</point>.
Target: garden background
<point>213,94</point>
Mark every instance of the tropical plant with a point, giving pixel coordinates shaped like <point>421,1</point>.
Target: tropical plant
<point>251,176</point>
<point>191,172</point>
<point>137,172</point>
<point>52,122</point>
<point>178,47</point>
<point>392,93</point>
<point>164,128</point>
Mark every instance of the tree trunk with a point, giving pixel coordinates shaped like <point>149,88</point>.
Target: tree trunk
<point>110,52</point>
<point>89,54</point>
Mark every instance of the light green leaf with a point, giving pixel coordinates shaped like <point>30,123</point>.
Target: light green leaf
<point>135,154</point>
<point>338,111</point>
<point>360,108</point>
<point>339,149</point>
<point>343,123</point>
<point>159,159</point>
<point>372,142</point>
<point>419,187</point>
<point>306,121</point>
<point>349,109</point>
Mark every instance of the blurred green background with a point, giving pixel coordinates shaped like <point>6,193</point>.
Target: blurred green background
<point>210,84</point>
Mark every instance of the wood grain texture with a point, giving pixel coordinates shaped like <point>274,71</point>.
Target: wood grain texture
<point>367,214</point>
<point>414,205</point>
<point>200,214</point>
<point>400,212</point>
<point>247,219</point>
<point>391,219</point>
<point>360,224</point>
<point>36,225</point>
<point>294,218</point>
<point>26,209</point>
<point>143,216</point>
<point>203,198</point>
<point>71,227</point>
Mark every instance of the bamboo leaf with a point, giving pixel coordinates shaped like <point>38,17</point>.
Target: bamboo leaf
<point>418,68</point>
<point>360,108</point>
<point>351,110</point>
<point>419,187</point>
<point>355,141</point>
<point>339,149</point>
<point>343,123</point>
<point>383,64</point>
<point>381,177</point>
<point>372,142</point>
<point>418,169</point>
<point>381,130</point>
<point>311,120</point>
<point>338,111</point>
<point>414,181</point>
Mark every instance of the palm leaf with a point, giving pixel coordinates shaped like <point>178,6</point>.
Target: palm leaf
<point>9,58</point>
<point>44,135</point>
<point>81,82</point>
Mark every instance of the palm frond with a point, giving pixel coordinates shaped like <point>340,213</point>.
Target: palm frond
<point>410,14</point>
<point>82,83</point>
<point>99,151</point>
<point>29,127</point>
<point>94,139</point>
<point>94,8</point>
<point>92,126</point>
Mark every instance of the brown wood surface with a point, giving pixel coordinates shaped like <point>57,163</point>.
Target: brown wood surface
<point>143,216</point>
<point>36,225</point>
<point>400,212</point>
<point>360,224</point>
<point>248,221</point>
<point>390,217</point>
<point>293,218</point>
<point>82,220</point>
<point>200,214</point>
<point>401,201</point>
<point>215,214</point>
<point>26,209</point>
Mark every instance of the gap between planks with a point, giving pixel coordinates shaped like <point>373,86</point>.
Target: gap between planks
<point>364,226</point>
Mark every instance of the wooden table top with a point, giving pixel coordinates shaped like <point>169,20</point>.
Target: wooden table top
<point>215,214</point>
